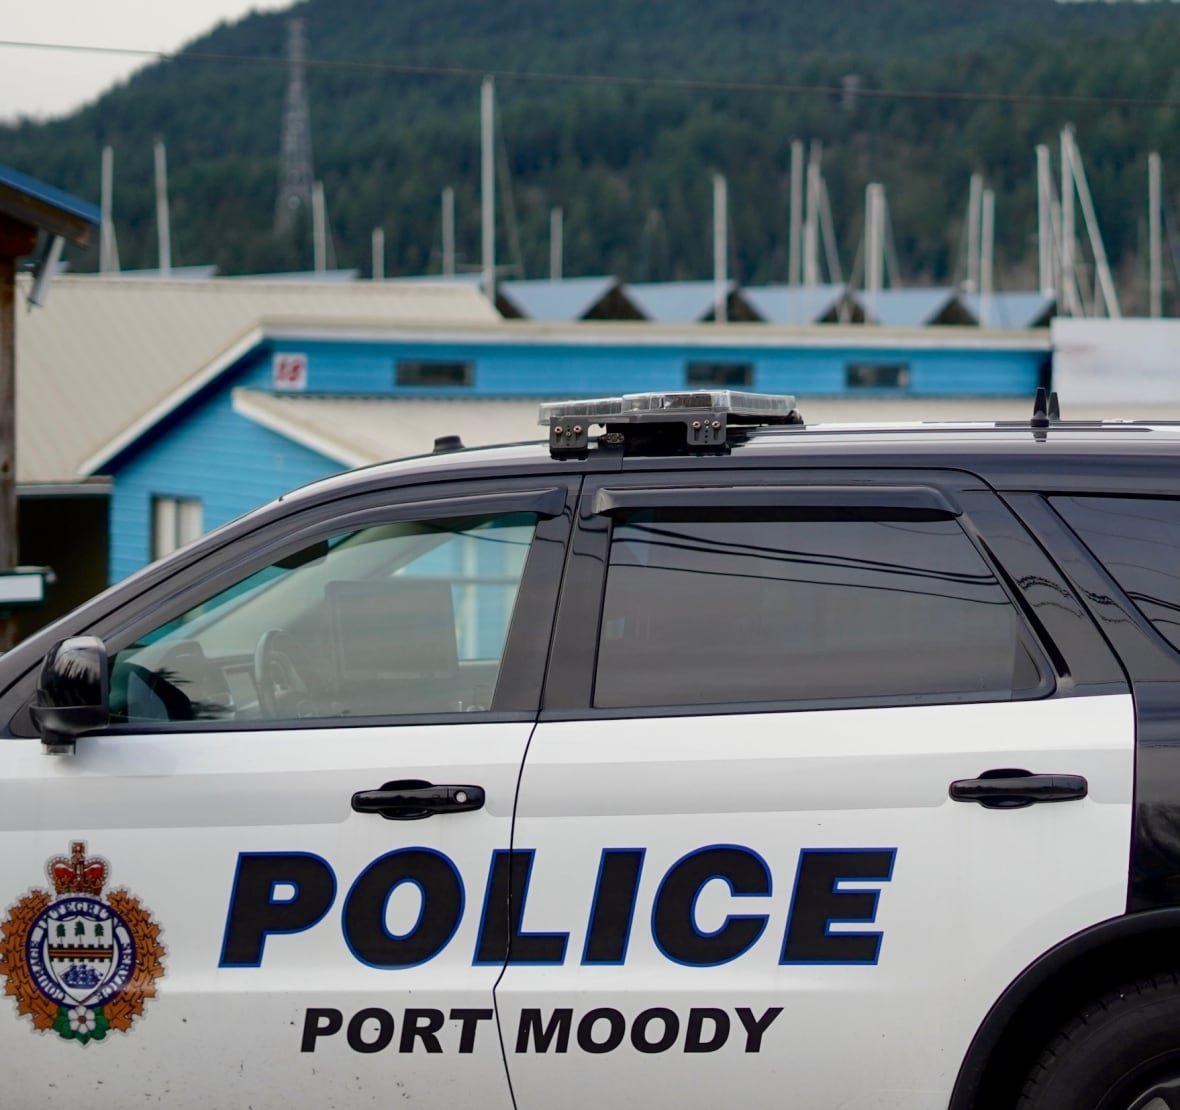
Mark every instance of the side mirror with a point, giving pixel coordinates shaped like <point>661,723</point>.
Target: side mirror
<point>73,692</point>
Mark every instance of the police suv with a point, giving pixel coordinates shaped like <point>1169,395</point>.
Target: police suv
<point>698,758</point>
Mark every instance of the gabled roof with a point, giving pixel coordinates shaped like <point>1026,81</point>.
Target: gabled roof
<point>794,304</point>
<point>913,308</point>
<point>675,302</point>
<point>107,356</point>
<point>1028,309</point>
<point>357,431</point>
<point>556,302</point>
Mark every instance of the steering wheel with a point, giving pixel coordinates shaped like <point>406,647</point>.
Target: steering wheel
<point>275,676</point>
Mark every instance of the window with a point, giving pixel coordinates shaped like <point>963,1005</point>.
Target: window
<point>711,607</point>
<point>1137,540</point>
<point>175,522</point>
<point>724,375</point>
<point>877,375</point>
<point>392,619</point>
<point>434,373</point>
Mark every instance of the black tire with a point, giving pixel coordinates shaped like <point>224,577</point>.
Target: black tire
<point>1120,1053</point>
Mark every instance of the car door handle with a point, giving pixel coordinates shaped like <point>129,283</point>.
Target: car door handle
<point>1015,789</point>
<point>413,799</point>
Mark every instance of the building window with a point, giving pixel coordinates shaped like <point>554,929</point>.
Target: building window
<point>877,375</point>
<point>725,375</point>
<point>175,522</point>
<point>434,373</point>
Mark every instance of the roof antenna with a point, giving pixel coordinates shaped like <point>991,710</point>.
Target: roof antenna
<point>1040,414</point>
<point>442,444</point>
<point>1054,408</point>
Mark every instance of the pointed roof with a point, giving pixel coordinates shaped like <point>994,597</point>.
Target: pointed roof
<point>795,304</point>
<point>556,302</point>
<point>916,308</point>
<point>675,302</point>
<point>1019,309</point>
<point>108,356</point>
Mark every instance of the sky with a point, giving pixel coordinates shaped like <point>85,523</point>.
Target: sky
<point>46,83</point>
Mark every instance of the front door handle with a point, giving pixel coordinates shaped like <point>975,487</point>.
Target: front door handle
<point>413,799</point>
<point>1015,789</point>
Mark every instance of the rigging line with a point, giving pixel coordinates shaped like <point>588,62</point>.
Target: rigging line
<point>683,83</point>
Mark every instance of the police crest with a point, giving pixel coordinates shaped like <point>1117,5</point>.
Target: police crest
<point>80,963</point>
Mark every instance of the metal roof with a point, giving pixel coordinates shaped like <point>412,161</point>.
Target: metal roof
<point>1028,309</point>
<point>357,431</point>
<point>107,354</point>
<point>911,308</point>
<point>556,302</point>
<point>40,205</point>
<point>793,304</point>
<point>675,302</point>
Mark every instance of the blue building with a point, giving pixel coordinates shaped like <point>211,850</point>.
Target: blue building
<point>307,390</point>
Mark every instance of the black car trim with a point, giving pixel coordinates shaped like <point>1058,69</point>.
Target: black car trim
<point>925,500</point>
<point>570,679</point>
<point>1153,672</point>
<point>145,609</point>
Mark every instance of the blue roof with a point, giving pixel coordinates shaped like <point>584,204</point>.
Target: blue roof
<point>674,302</point>
<point>556,302</point>
<point>1025,309</point>
<point>907,308</point>
<point>793,304</point>
<point>50,195</point>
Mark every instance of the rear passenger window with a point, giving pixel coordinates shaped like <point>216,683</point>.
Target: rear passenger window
<point>1137,540</point>
<point>715,607</point>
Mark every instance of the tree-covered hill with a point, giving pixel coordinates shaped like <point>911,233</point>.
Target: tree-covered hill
<point>947,87</point>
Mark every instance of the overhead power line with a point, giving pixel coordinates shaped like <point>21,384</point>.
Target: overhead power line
<point>624,80</point>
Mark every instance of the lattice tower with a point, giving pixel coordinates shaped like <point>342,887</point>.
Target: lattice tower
<point>295,167</point>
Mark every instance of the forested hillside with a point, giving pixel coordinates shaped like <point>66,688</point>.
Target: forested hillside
<point>947,87</point>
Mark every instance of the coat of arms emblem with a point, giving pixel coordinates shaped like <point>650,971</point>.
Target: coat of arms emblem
<point>80,963</point>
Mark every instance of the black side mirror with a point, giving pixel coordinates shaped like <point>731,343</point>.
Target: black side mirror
<point>73,692</point>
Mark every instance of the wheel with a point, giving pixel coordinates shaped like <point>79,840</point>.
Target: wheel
<point>1120,1053</point>
<point>275,677</point>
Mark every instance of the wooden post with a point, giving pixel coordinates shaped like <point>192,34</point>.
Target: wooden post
<point>16,240</point>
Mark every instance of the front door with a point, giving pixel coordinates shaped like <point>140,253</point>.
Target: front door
<point>265,884</point>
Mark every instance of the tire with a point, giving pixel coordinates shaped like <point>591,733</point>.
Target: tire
<point>1120,1053</point>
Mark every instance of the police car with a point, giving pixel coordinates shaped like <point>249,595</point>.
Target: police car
<point>699,757</point>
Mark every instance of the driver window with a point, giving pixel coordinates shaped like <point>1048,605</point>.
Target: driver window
<point>401,618</point>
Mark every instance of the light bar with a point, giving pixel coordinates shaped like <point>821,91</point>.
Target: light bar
<point>738,406</point>
<point>645,421</point>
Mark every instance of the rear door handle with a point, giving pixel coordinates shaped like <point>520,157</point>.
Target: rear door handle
<point>1015,789</point>
<point>413,799</point>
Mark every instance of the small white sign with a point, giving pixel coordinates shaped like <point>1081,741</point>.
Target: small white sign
<point>289,372</point>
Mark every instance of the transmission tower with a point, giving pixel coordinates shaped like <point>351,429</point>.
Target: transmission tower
<point>295,171</point>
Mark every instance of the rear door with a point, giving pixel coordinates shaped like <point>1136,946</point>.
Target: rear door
<point>739,872</point>
<point>265,885</point>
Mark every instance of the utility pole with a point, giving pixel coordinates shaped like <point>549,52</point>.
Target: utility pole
<point>974,192</point>
<point>448,231</point>
<point>794,243</point>
<point>986,256</point>
<point>720,246</point>
<point>555,244</point>
<point>487,116</point>
<point>378,254</point>
<point>163,226</point>
<point>1154,206</point>
<point>108,249</point>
